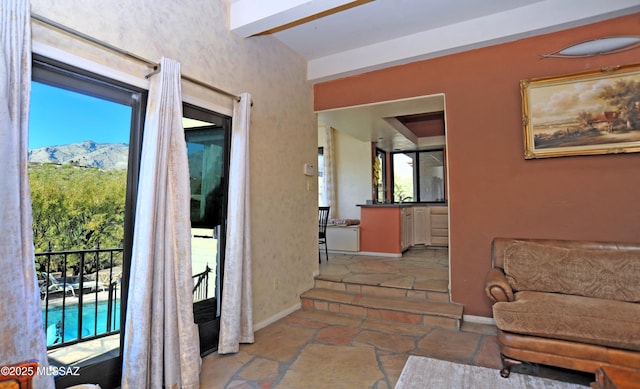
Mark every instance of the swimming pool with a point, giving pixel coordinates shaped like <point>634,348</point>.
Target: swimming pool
<point>53,323</point>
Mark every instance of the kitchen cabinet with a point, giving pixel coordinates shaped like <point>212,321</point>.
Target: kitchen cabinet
<point>421,226</point>
<point>440,226</point>
<point>406,231</point>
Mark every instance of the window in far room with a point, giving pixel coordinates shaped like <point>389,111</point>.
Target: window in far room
<point>419,176</point>
<point>431,176</point>
<point>403,176</point>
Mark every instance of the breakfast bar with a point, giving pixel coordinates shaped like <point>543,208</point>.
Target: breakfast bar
<point>390,229</point>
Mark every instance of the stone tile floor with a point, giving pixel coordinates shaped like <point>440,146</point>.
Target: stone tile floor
<point>420,268</point>
<point>315,349</point>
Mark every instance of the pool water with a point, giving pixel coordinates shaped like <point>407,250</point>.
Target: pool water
<point>53,323</point>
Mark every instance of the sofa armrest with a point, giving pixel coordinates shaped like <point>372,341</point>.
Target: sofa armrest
<point>497,287</point>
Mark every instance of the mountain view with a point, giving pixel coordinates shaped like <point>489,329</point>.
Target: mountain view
<point>105,156</point>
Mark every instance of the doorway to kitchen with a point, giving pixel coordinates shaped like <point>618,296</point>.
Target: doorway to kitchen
<point>391,161</point>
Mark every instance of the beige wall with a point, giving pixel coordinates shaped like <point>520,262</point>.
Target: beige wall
<point>353,171</point>
<point>283,125</point>
<point>354,186</point>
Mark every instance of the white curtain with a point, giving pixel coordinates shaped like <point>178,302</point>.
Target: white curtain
<point>236,324</point>
<point>22,336</point>
<point>161,345</point>
<point>330,172</point>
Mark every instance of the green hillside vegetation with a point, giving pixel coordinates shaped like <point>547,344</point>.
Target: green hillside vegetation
<point>76,208</point>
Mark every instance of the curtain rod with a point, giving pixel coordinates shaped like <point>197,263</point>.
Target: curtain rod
<point>108,46</point>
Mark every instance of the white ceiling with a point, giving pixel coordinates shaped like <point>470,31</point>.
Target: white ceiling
<point>380,33</point>
<point>367,35</point>
<point>377,122</point>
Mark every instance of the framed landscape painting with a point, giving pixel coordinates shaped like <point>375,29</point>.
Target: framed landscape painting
<point>595,112</point>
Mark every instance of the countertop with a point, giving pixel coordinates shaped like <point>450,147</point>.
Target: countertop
<point>402,205</point>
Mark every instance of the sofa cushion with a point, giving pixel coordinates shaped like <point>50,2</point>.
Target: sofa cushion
<point>606,274</point>
<point>575,318</point>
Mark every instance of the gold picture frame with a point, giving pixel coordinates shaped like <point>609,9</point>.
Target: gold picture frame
<point>596,112</point>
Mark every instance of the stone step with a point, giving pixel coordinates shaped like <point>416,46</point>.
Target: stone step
<point>440,284</point>
<point>383,291</point>
<point>396,309</point>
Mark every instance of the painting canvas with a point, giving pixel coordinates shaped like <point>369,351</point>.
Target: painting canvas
<point>595,112</point>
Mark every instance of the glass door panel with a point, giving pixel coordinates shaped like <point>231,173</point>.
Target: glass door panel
<point>207,140</point>
<point>84,133</point>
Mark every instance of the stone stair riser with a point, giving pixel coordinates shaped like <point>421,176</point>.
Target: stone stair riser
<point>383,291</point>
<point>381,314</point>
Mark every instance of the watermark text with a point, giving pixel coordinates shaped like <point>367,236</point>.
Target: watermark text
<point>31,370</point>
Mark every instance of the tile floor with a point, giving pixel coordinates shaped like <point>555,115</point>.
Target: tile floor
<point>419,269</point>
<point>315,349</point>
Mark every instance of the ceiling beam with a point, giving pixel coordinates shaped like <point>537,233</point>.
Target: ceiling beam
<point>534,19</point>
<point>254,17</point>
<point>401,129</point>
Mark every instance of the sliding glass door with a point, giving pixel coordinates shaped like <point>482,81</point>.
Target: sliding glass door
<point>84,151</point>
<point>207,136</point>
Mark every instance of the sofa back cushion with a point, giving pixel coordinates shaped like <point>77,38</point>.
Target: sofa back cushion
<point>601,273</point>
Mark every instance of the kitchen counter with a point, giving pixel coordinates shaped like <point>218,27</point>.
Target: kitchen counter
<point>399,205</point>
<point>390,229</point>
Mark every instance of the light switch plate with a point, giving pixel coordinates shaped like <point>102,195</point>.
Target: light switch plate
<point>308,169</point>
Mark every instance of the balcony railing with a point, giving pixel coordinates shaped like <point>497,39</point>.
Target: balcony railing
<point>201,285</point>
<point>80,294</point>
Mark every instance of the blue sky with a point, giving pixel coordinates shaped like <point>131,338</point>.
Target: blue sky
<point>60,117</point>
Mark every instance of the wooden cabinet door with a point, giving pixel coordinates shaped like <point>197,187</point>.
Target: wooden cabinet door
<point>440,226</point>
<point>421,226</point>
<point>406,223</point>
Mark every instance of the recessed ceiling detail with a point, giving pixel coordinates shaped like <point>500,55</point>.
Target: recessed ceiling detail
<point>381,123</point>
<point>424,124</point>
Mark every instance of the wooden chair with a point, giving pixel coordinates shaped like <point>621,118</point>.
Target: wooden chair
<point>323,219</point>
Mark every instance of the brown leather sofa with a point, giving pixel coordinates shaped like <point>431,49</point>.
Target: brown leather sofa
<point>570,304</point>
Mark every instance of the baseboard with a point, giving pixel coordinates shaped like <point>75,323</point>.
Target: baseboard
<point>343,252</point>
<point>479,319</point>
<point>373,254</point>
<point>276,317</point>
<point>365,253</point>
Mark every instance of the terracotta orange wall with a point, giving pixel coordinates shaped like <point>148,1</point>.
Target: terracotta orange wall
<point>493,190</point>
<point>374,239</point>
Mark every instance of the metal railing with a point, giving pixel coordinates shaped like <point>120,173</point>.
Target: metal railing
<point>80,294</point>
<point>201,287</point>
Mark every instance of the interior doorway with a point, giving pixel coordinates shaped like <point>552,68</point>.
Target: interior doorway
<point>367,139</point>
